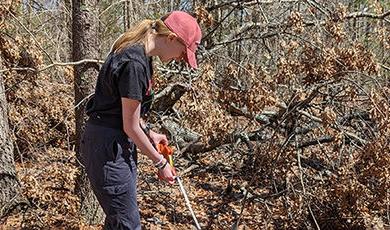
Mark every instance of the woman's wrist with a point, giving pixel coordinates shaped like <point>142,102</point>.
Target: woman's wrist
<point>163,165</point>
<point>159,162</point>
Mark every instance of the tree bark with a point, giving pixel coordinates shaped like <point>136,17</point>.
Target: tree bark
<point>85,43</point>
<point>10,187</point>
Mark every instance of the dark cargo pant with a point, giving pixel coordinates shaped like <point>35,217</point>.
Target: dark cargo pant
<point>110,162</point>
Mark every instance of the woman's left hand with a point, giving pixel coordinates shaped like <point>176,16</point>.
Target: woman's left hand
<point>158,138</point>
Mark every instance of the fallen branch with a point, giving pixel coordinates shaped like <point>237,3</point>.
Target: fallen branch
<point>165,99</point>
<point>313,163</point>
<point>321,140</point>
<point>189,169</point>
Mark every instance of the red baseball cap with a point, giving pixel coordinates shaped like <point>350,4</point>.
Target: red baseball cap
<point>186,28</point>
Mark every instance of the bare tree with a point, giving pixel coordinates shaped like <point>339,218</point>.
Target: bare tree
<point>10,187</point>
<point>84,37</point>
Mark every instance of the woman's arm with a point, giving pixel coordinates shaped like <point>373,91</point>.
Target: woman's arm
<point>131,125</point>
<point>156,138</point>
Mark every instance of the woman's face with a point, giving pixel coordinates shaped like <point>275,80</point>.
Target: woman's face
<point>174,49</point>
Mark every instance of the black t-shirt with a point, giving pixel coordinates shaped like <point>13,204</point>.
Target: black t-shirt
<point>124,74</point>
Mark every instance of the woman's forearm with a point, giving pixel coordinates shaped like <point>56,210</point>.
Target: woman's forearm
<point>136,134</point>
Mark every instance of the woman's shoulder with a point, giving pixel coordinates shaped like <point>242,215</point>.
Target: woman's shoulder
<point>130,56</point>
<point>132,53</point>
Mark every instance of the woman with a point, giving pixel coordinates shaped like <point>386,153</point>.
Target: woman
<point>122,97</point>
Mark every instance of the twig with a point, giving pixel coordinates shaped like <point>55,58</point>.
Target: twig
<point>314,219</point>
<point>189,169</point>
<point>235,225</point>
<point>388,203</point>
<point>210,8</point>
<point>367,15</point>
<point>262,12</point>
<point>34,70</point>
<point>53,65</point>
<point>317,6</point>
<point>7,208</point>
<point>109,7</point>
<point>219,23</point>
<point>300,170</point>
<point>74,107</point>
<point>169,71</point>
<point>320,140</point>
<point>248,2</point>
<point>227,41</point>
<point>384,67</point>
<point>303,185</point>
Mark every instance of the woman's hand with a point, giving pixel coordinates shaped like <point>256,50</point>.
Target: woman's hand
<point>167,174</point>
<point>158,138</point>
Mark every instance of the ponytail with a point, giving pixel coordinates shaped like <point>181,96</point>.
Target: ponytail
<point>139,33</point>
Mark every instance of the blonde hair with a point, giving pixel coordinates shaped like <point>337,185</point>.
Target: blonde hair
<point>138,33</point>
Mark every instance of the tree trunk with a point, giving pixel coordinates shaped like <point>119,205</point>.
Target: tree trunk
<point>85,43</point>
<point>9,184</point>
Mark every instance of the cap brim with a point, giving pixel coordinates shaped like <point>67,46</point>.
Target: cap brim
<point>191,59</point>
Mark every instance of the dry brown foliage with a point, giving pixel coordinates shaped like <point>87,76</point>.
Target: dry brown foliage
<point>301,118</point>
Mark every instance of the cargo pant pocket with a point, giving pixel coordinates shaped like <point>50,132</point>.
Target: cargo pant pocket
<point>120,169</point>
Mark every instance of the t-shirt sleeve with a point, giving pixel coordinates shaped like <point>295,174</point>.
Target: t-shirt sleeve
<point>131,81</point>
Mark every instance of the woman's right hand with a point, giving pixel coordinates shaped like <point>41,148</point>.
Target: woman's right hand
<point>167,174</point>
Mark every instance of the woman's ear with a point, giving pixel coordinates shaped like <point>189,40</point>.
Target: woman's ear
<point>172,36</point>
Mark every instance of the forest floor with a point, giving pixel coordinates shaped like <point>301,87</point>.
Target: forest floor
<point>214,187</point>
<point>225,193</point>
